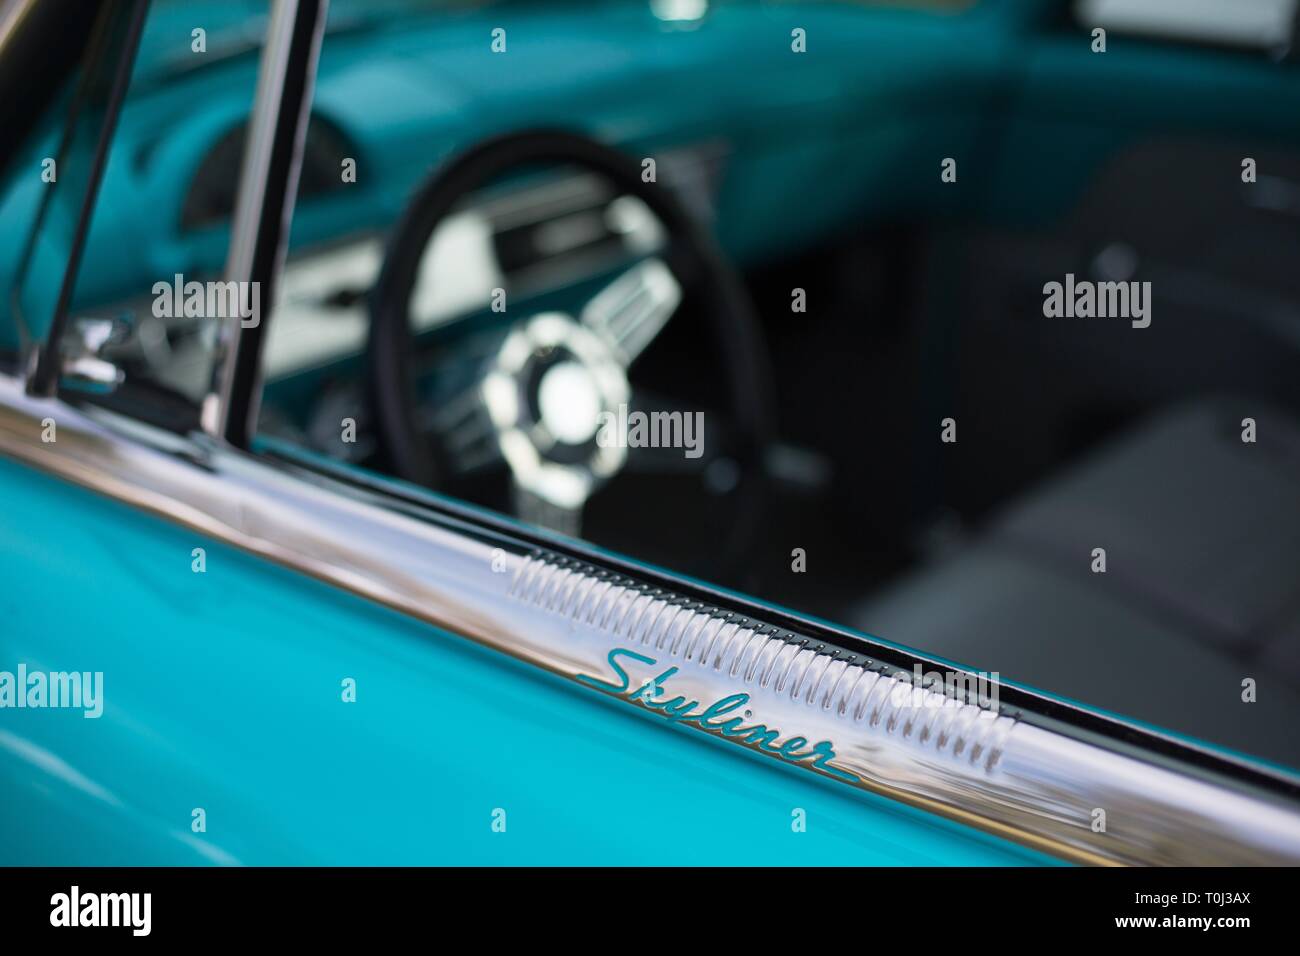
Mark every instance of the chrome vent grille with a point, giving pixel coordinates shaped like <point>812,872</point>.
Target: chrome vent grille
<point>856,689</point>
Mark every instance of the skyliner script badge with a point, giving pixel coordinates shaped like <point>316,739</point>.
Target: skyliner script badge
<point>713,718</point>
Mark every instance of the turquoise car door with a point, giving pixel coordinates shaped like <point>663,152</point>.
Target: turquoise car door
<point>228,700</point>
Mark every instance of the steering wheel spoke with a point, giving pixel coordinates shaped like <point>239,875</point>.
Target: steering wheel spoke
<point>630,311</point>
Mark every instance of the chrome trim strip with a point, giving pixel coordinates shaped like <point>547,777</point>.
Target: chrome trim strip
<point>268,188</point>
<point>1001,772</point>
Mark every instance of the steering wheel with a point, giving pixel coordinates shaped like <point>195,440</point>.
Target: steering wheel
<point>547,396</point>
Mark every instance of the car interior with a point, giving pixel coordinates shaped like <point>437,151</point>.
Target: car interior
<point>822,235</point>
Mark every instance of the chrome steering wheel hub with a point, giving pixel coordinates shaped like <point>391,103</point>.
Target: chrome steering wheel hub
<point>547,391</point>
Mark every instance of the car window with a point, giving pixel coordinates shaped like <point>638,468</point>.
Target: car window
<point>147,295</point>
<point>836,304</point>
<point>964,333</point>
